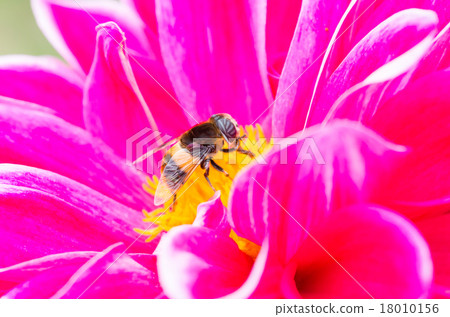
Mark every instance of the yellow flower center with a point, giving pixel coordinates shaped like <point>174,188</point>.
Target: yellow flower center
<point>196,190</point>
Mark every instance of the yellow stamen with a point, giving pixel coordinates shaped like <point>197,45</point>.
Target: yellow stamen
<point>197,190</point>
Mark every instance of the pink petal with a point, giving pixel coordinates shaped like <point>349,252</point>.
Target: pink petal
<point>282,17</point>
<point>215,60</point>
<point>24,105</point>
<point>212,214</point>
<point>43,213</point>
<point>265,278</point>
<point>157,90</point>
<point>111,274</point>
<point>114,108</point>
<point>438,57</point>
<point>297,94</point>
<point>422,110</point>
<point>382,251</point>
<point>317,22</point>
<point>147,12</point>
<point>361,101</point>
<point>126,94</point>
<point>440,292</point>
<point>77,44</point>
<point>389,40</point>
<point>411,208</point>
<point>42,277</point>
<point>367,14</point>
<point>26,270</point>
<point>47,276</point>
<point>435,230</point>
<point>326,169</point>
<point>44,141</point>
<point>45,81</point>
<point>420,187</point>
<point>194,262</point>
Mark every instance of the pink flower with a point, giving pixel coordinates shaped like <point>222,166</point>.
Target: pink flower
<point>70,202</point>
<point>68,194</point>
<point>341,244</point>
<point>332,231</point>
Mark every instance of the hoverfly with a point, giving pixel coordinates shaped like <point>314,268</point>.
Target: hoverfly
<point>181,160</point>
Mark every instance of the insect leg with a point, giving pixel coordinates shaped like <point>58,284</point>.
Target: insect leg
<point>174,201</point>
<point>239,148</point>
<point>205,165</point>
<point>249,153</point>
<point>219,168</point>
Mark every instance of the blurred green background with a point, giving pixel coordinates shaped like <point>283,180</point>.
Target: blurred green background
<point>19,33</point>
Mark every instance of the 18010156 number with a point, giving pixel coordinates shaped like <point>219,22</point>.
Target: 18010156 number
<point>412,308</point>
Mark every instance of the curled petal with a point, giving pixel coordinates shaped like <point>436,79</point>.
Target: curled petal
<point>195,262</point>
<point>212,214</point>
<point>114,108</point>
<point>77,44</point>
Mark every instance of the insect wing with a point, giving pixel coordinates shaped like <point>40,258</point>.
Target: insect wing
<point>176,173</point>
<point>155,150</point>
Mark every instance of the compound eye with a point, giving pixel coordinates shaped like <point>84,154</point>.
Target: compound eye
<point>229,129</point>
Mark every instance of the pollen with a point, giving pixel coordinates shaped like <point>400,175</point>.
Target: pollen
<point>196,190</point>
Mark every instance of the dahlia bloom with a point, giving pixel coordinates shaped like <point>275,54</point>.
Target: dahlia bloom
<point>342,244</point>
<point>70,203</point>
